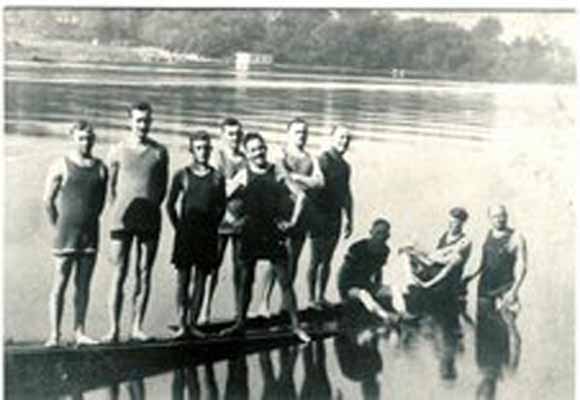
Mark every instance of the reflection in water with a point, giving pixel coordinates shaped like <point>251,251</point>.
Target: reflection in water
<point>359,359</point>
<point>448,335</point>
<point>237,380</point>
<point>498,346</point>
<point>316,384</point>
<point>282,387</point>
<point>211,383</point>
<point>135,390</point>
<point>185,384</point>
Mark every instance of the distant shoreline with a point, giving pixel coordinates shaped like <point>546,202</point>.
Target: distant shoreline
<point>36,50</point>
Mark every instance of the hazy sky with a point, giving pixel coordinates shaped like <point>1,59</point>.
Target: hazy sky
<point>559,25</point>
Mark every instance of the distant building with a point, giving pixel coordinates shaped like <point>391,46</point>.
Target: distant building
<point>245,60</point>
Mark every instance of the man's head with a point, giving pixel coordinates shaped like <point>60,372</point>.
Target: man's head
<point>340,138</point>
<point>200,147</point>
<point>457,217</point>
<point>232,132</point>
<point>141,119</point>
<point>83,136</point>
<point>297,132</point>
<point>380,230</point>
<point>498,216</point>
<point>255,149</point>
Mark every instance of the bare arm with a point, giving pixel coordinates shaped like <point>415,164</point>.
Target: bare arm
<point>521,266</point>
<point>51,190</point>
<point>103,187</point>
<point>237,183</point>
<point>348,206</point>
<point>221,199</point>
<point>113,174</point>
<point>164,174</point>
<point>174,192</point>
<point>312,181</point>
<point>456,259</point>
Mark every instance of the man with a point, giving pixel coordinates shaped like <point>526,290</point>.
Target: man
<point>269,214</point>
<point>302,174</point>
<point>228,160</point>
<point>74,199</point>
<point>503,263</point>
<point>139,168</point>
<point>328,205</point>
<point>436,276</point>
<point>361,274</point>
<point>202,192</point>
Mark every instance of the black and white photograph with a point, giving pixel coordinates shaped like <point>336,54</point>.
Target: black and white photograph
<point>289,203</point>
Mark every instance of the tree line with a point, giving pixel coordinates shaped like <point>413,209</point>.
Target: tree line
<point>374,39</point>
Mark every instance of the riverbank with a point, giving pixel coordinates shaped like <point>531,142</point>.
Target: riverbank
<point>31,49</point>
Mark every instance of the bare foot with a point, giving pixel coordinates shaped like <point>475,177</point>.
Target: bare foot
<point>180,333</point>
<point>52,341</point>
<point>236,329</point>
<point>140,336</point>
<point>264,311</point>
<point>84,340</point>
<point>111,337</point>
<point>301,335</point>
<point>197,333</point>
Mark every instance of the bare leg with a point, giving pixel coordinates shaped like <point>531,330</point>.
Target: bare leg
<point>147,253</point>
<point>120,250</point>
<point>62,271</point>
<point>265,291</point>
<point>317,248</point>
<point>246,276</point>
<point>283,276</point>
<point>84,273</point>
<point>183,279</point>
<point>329,247</point>
<point>237,264</point>
<point>197,298</point>
<point>295,245</point>
<point>214,278</point>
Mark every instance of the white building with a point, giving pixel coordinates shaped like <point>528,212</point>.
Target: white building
<point>245,60</point>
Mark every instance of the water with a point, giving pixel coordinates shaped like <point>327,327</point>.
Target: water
<point>420,148</point>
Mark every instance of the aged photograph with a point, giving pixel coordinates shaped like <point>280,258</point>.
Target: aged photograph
<point>289,203</point>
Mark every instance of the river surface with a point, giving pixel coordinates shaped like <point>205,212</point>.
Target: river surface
<point>420,148</point>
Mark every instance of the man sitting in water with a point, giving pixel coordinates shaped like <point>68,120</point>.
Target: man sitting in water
<point>74,199</point>
<point>436,276</point>
<point>360,277</point>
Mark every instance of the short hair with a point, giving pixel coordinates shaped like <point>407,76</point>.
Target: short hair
<point>381,221</point>
<point>230,121</point>
<point>336,127</point>
<point>200,135</point>
<point>296,120</point>
<point>253,136</point>
<point>500,206</point>
<point>460,213</point>
<point>141,106</point>
<point>81,125</point>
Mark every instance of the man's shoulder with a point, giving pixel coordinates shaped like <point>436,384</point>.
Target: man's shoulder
<point>157,146</point>
<point>218,176</point>
<point>359,246</point>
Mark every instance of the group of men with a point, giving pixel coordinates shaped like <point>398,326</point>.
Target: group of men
<point>231,194</point>
<point>266,209</point>
<point>436,278</point>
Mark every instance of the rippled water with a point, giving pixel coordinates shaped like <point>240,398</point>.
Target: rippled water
<point>420,147</point>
